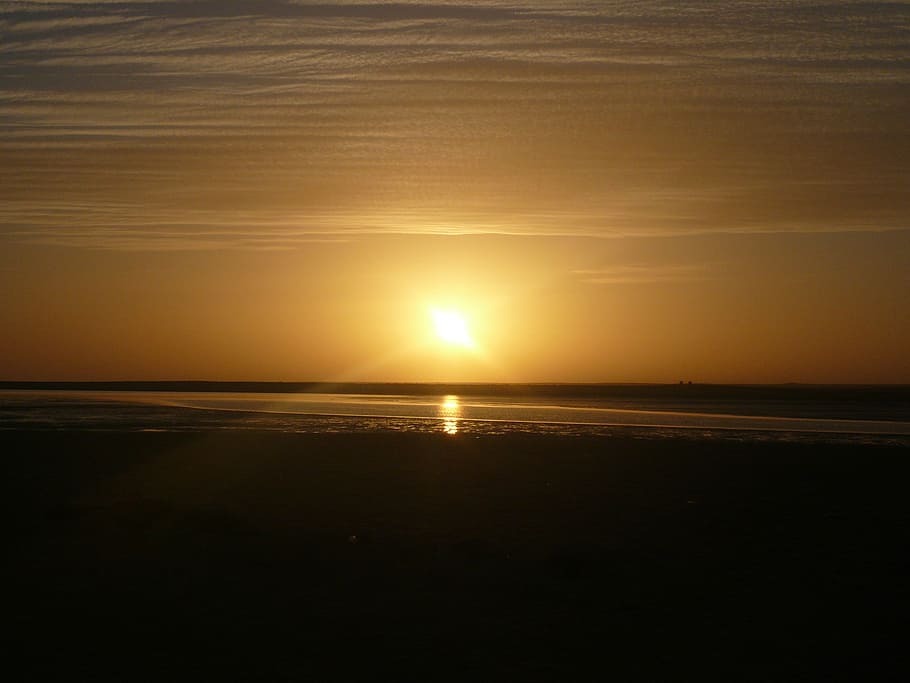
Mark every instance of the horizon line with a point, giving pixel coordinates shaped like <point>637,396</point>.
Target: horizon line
<point>308,384</point>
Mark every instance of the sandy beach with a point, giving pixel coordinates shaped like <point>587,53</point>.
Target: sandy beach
<point>150,556</point>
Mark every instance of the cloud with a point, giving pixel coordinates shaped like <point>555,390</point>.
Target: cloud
<point>539,117</point>
<point>642,274</point>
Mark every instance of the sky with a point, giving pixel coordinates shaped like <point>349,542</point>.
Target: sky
<point>603,191</point>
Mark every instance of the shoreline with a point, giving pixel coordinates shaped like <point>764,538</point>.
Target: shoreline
<point>837,414</point>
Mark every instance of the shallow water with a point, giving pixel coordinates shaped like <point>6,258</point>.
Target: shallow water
<point>450,414</point>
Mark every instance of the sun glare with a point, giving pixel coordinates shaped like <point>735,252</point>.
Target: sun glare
<point>451,328</point>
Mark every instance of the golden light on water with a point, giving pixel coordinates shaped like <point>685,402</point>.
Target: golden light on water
<point>450,412</point>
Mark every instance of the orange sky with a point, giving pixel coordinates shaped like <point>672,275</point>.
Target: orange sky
<point>607,191</point>
<point>714,308</point>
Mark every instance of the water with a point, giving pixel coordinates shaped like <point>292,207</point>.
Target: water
<point>642,416</point>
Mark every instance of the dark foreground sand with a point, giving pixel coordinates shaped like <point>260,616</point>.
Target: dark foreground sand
<point>269,557</point>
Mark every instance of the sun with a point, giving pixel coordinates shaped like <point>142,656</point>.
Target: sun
<point>451,328</point>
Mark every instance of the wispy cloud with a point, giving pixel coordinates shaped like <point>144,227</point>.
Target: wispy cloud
<point>540,117</point>
<point>639,274</point>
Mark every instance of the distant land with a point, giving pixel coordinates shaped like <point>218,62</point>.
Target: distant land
<point>712,392</point>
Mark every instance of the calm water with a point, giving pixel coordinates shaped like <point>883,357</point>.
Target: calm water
<point>450,414</point>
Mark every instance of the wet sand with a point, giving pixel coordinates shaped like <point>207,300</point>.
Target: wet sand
<point>252,556</point>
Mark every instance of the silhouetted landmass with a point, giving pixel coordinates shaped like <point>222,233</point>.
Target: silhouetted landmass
<point>245,556</point>
<point>896,392</point>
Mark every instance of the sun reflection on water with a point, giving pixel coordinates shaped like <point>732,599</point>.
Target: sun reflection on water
<point>450,411</point>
